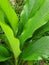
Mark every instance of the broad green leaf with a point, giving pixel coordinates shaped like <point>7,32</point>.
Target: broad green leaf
<point>40,32</point>
<point>41,18</point>
<point>10,13</point>
<point>13,42</point>
<point>4,53</point>
<point>37,50</point>
<point>29,10</point>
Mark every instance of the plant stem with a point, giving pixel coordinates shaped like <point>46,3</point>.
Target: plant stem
<point>16,61</point>
<point>30,62</point>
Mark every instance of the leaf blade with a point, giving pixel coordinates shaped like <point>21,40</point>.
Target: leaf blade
<point>40,19</point>
<point>10,13</point>
<point>29,10</point>
<point>36,50</point>
<point>4,53</point>
<point>13,42</point>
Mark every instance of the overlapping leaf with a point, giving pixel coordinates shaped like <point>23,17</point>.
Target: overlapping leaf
<point>10,13</point>
<point>4,54</point>
<point>29,10</point>
<point>41,18</point>
<point>13,42</point>
<point>37,50</point>
<point>41,31</point>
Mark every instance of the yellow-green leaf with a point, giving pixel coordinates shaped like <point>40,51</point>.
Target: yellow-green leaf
<point>10,13</point>
<point>13,42</point>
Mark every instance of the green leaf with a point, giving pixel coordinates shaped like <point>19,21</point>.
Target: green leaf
<point>41,18</point>
<point>2,36</point>
<point>29,10</point>
<point>1,15</point>
<point>40,32</point>
<point>13,42</point>
<point>4,53</point>
<point>37,50</point>
<point>10,13</point>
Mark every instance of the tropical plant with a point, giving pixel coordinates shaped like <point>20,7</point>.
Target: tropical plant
<point>24,40</point>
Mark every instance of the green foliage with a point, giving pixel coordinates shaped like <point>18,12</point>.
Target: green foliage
<point>10,14</point>
<point>42,30</point>
<point>29,10</point>
<point>13,42</point>
<point>37,50</point>
<point>10,36</point>
<point>24,40</point>
<point>4,54</point>
<point>40,19</point>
